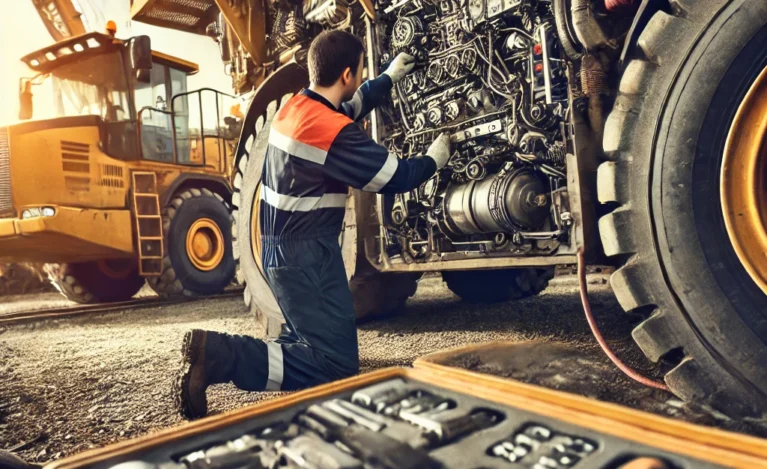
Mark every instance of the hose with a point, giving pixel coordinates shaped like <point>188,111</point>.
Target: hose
<point>627,370</point>
<point>619,6</point>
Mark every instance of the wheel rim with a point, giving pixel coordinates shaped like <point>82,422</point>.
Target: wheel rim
<point>255,227</point>
<point>744,182</point>
<point>205,244</point>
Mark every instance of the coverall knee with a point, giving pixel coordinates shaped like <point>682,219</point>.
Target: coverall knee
<point>308,278</point>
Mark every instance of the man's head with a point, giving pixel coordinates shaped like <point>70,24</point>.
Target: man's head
<point>336,60</point>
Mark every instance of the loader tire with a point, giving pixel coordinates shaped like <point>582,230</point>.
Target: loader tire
<point>198,257</point>
<point>96,281</point>
<point>664,142</point>
<point>495,286</point>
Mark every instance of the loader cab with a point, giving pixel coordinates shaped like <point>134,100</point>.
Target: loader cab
<point>86,76</point>
<point>139,98</point>
<point>162,110</point>
<point>180,126</point>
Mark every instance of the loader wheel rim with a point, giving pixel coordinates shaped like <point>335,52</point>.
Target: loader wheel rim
<point>744,182</point>
<point>205,244</point>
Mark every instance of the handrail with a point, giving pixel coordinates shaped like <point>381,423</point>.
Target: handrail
<point>222,160</point>
<point>203,89</point>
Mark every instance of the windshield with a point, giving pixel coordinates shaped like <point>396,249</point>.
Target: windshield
<point>95,85</point>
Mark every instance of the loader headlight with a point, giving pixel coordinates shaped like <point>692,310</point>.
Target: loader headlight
<point>30,213</point>
<point>38,212</point>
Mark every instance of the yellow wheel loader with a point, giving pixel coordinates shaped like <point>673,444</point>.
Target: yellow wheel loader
<point>126,180</point>
<point>633,131</point>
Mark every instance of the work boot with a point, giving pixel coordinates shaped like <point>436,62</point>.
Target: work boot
<point>207,358</point>
<point>190,385</point>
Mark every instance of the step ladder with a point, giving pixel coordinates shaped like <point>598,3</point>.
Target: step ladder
<point>146,211</point>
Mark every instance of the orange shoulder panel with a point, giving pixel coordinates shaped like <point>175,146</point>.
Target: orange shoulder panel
<point>309,121</point>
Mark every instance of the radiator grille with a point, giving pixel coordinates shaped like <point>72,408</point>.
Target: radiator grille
<point>6,203</point>
<point>192,16</point>
<point>111,176</point>
<point>75,158</point>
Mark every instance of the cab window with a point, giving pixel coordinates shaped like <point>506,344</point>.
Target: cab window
<point>153,112</point>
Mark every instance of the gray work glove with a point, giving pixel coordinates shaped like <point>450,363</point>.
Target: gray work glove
<point>439,150</point>
<point>400,66</point>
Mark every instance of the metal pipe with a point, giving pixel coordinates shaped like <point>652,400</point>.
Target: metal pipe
<point>546,66</point>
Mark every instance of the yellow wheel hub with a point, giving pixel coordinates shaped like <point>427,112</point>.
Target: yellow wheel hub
<point>205,244</point>
<point>744,182</point>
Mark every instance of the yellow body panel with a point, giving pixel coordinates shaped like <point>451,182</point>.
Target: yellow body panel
<point>53,165</point>
<point>71,234</point>
<point>64,166</point>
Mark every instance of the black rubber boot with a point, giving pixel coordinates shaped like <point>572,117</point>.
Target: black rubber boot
<point>206,359</point>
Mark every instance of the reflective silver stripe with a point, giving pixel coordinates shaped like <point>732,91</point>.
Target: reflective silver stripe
<point>384,175</point>
<point>296,148</point>
<point>276,367</point>
<point>290,203</point>
<point>356,104</point>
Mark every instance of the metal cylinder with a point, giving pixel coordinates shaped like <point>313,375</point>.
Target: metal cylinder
<point>500,204</point>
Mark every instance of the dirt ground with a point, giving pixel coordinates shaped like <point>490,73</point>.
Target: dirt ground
<point>71,384</point>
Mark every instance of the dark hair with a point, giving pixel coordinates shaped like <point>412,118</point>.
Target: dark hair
<point>330,54</point>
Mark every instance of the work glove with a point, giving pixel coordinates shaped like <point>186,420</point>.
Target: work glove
<point>439,150</point>
<point>400,66</point>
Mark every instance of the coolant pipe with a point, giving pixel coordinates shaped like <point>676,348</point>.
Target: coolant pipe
<point>627,370</point>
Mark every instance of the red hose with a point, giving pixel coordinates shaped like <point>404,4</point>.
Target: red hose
<point>627,370</point>
<point>617,6</point>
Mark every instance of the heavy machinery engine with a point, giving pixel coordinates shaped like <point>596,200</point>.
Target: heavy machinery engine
<point>491,74</point>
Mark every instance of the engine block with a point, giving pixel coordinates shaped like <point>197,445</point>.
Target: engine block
<point>492,75</point>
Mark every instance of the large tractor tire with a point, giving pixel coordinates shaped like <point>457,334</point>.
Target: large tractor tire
<point>495,286</point>
<point>698,76</point>
<point>198,246</point>
<point>105,281</point>
<point>374,294</point>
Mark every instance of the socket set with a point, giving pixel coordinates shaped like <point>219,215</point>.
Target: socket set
<point>539,447</point>
<point>398,423</point>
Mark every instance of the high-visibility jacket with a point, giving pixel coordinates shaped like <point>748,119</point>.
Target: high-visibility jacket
<point>316,152</point>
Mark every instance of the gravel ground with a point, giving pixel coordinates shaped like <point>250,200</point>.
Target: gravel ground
<point>72,384</point>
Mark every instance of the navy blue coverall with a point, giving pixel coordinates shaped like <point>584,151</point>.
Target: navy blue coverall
<point>315,153</point>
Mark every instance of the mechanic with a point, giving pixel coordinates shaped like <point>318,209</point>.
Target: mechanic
<point>316,151</point>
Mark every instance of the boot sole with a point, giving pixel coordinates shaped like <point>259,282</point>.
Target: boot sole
<point>181,384</point>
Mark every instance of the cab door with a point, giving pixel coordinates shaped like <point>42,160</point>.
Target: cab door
<point>154,115</point>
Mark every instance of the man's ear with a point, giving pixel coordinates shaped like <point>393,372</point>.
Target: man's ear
<point>347,76</point>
